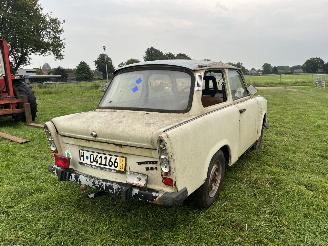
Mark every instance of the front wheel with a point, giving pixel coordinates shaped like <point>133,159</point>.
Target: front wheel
<point>206,195</point>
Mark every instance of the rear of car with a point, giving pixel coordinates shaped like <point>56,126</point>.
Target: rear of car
<point>152,139</point>
<point>121,148</point>
<point>124,171</point>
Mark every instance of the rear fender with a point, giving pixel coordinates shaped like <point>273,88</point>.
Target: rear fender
<point>54,135</point>
<point>211,154</point>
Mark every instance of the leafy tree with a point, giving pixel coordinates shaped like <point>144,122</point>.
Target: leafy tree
<point>29,30</point>
<point>101,62</point>
<point>275,70</point>
<point>129,62</point>
<point>240,66</point>
<point>326,67</point>
<point>169,56</point>
<point>83,72</point>
<point>267,68</point>
<point>60,71</point>
<point>153,54</point>
<point>182,56</point>
<point>313,65</point>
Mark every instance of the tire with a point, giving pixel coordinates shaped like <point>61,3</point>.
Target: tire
<point>258,144</point>
<point>22,89</point>
<point>207,194</point>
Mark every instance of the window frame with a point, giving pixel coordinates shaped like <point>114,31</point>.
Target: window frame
<point>243,84</point>
<point>225,81</point>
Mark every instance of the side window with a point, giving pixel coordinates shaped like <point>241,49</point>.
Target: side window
<point>237,86</point>
<point>214,90</point>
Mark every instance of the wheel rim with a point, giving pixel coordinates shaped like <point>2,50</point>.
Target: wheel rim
<point>214,180</point>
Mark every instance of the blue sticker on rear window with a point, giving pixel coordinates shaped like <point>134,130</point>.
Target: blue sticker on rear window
<point>134,89</point>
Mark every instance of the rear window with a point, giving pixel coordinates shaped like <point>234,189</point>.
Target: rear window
<point>149,89</point>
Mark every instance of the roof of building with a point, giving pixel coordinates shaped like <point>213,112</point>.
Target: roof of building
<point>190,64</point>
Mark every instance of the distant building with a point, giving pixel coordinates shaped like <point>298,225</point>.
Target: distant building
<point>283,69</point>
<point>24,72</point>
<point>46,68</point>
<point>298,70</point>
<point>32,76</point>
<point>254,71</point>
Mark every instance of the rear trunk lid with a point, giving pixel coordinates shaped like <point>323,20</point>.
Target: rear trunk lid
<point>122,127</point>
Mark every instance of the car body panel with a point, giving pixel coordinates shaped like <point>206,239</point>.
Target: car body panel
<point>191,155</point>
<point>247,108</point>
<point>132,128</point>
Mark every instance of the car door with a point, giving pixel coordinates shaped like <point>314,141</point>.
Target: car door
<point>248,110</point>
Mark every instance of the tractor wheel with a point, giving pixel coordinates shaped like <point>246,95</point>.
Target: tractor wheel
<point>23,90</point>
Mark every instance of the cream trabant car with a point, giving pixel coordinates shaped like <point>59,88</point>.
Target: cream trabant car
<point>162,131</point>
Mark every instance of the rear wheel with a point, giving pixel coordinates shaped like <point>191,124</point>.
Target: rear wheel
<point>258,144</point>
<point>206,195</point>
<point>23,90</point>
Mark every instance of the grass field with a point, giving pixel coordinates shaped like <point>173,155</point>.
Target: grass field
<point>284,80</point>
<point>277,196</point>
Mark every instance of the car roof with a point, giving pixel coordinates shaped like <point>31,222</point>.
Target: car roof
<point>190,64</point>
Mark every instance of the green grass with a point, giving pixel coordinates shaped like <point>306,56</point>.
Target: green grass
<point>277,196</point>
<point>285,80</point>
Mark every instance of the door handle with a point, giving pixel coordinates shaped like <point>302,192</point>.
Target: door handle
<point>242,110</point>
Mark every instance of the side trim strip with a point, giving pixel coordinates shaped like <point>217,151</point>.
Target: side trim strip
<point>207,113</point>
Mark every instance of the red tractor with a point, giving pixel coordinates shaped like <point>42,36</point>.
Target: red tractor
<point>15,94</point>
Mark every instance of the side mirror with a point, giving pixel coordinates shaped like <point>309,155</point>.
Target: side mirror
<point>252,90</point>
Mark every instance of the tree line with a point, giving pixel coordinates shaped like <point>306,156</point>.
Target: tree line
<point>42,34</point>
<point>83,71</point>
<point>311,65</point>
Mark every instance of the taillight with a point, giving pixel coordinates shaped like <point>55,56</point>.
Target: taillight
<point>167,181</point>
<point>163,157</point>
<point>62,161</point>
<point>164,161</point>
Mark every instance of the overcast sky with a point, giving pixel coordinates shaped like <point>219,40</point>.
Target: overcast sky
<point>281,32</point>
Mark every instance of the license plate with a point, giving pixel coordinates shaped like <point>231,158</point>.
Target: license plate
<point>112,162</point>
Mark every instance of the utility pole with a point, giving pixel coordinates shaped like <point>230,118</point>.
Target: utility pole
<point>104,47</point>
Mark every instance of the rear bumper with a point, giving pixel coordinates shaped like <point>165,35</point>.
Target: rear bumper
<point>121,191</point>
